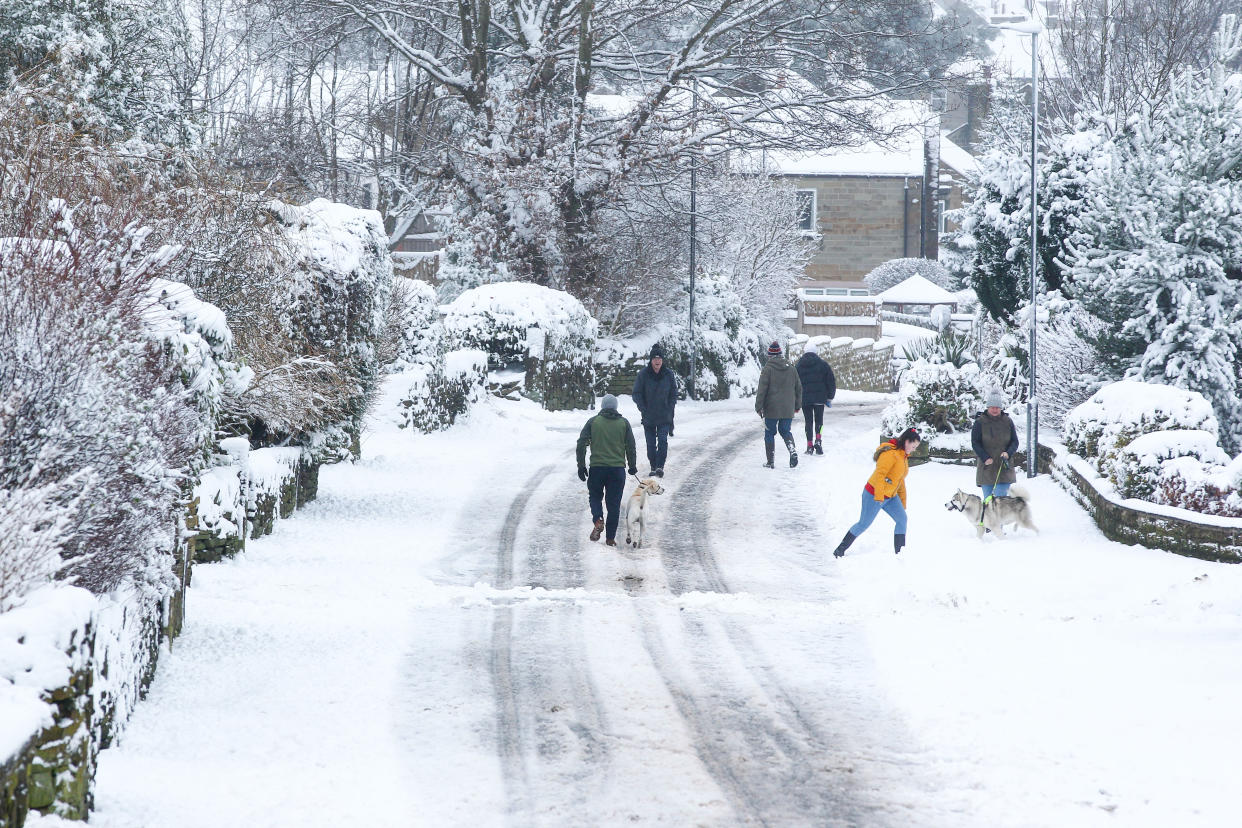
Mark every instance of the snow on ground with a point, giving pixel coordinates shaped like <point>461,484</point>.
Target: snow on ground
<point>435,642</point>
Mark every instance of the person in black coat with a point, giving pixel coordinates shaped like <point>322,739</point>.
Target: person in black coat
<point>655,394</point>
<point>819,386</point>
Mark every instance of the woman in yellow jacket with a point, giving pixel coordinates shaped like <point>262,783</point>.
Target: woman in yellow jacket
<point>885,489</point>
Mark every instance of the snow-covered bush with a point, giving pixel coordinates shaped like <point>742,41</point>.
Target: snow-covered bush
<point>1188,483</point>
<point>950,347</point>
<point>1138,467</point>
<point>442,391</point>
<point>936,399</point>
<point>1119,413</point>
<point>895,271</point>
<point>413,333</point>
<point>100,412</point>
<point>316,361</point>
<point>547,333</point>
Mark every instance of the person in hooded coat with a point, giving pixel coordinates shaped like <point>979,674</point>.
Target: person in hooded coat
<point>655,394</point>
<point>885,490</point>
<point>819,386</point>
<point>611,441</point>
<point>777,400</point>
<point>994,440</point>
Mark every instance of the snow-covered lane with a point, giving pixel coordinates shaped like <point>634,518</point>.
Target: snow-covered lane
<point>436,642</point>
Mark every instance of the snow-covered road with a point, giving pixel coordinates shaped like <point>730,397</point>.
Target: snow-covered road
<point>436,642</point>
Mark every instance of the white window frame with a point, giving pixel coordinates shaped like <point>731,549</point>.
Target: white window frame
<point>942,208</point>
<point>814,228</point>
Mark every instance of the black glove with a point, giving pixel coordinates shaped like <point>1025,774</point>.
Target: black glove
<point>634,471</point>
<point>670,429</point>
<point>582,473</point>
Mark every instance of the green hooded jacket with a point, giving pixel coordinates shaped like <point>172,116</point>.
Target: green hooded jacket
<point>611,440</point>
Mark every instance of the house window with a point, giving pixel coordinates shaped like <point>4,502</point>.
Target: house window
<point>806,210</point>
<point>942,207</point>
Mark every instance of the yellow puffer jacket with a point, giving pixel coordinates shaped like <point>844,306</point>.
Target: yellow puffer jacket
<point>889,477</point>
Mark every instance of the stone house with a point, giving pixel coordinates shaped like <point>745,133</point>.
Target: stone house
<point>866,202</point>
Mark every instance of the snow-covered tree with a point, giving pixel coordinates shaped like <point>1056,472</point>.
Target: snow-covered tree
<point>895,271</point>
<point>1160,253</point>
<point>553,106</point>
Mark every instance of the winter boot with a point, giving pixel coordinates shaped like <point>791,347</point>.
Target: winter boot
<point>810,447</point>
<point>793,452</point>
<point>839,552</point>
<point>899,540</point>
<point>611,542</point>
<point>598,530</point>
<point>819,446</point>
<point>769,446</point>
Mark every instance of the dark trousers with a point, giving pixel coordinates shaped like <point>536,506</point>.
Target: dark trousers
<point>657,444</point>
<point>605,485</point>
<point>813,414</point>
<point>771,425</point>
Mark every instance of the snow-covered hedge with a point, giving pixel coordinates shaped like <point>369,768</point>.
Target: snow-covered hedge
<point>546,332</point>
<point>1156,443</point>
<point>936,398</point>
<point>414,334</point>
<point>1118,413</point>
<point>442,391</point>
<point>318,365</point>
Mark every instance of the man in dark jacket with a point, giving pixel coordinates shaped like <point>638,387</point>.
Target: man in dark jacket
<point>994,439</point>
<point>612,445</point>
<point>778,398</point>
<point>655,394</point>
<point>819,386</point>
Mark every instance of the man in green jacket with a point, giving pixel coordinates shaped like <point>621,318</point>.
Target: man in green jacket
<point>612,445</point>
<point>777,399</point>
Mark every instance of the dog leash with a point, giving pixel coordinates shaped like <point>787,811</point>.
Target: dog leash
<point>1000,469</point>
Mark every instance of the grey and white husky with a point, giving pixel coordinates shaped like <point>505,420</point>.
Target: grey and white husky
<point>997,513</point>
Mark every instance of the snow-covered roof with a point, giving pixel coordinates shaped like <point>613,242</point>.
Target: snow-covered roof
<point>917,290</point>
<point>899,155</point>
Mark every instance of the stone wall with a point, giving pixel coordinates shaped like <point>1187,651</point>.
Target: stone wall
<point>857,364</point>
<point>271,488</point>
<point>1123,524</point>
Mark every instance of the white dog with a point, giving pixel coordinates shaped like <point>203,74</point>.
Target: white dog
<point>995,515</point>
<point>634,520</point>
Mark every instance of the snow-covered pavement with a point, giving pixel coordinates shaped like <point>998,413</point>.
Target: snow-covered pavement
<point>436,642</point>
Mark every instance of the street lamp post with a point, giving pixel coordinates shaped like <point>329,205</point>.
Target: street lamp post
<point>1033,28</point>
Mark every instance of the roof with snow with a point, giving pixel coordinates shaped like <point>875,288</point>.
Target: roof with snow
<point>917,290</point>
<point>899,155</point>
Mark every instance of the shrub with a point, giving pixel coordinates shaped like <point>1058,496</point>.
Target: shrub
<point>442,391</point>
<point>1136,468</point>
<point>935,399</point>
<point>1122,411</point>
<point>547,333</point>
<point>413,333</point>
<point>950,347</point>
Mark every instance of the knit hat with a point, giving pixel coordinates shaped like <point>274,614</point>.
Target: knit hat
<point>609,401</point>
<point>908,434</point>
<point>994,399</point>
<point>774,349</point>
<point>656,351</point>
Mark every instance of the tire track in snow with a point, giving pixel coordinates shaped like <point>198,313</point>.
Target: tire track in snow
<point>749,732</point>
<point>549,720</point>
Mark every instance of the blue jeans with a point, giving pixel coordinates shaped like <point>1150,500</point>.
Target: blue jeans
<point>605,485</point>
<point>657,444</point>
<point>771,425</point>
<point>998,489</point>
<point>871,507</point>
